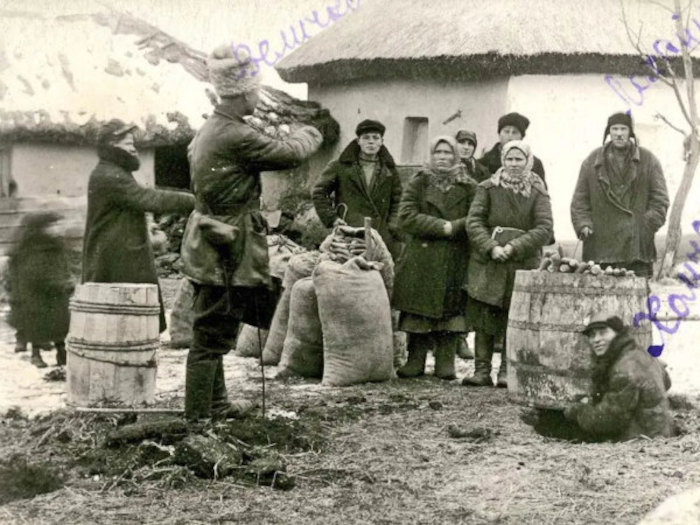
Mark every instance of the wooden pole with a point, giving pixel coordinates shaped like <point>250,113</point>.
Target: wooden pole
<point>129,410</point>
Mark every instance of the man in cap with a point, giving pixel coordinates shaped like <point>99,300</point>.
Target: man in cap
<point>363,179</point>
<point>511,126</point>
<point>620,201</point>
<point>629,386</point>
<point>116,245</point>
<point>224,247</point>
<point>466,143</point>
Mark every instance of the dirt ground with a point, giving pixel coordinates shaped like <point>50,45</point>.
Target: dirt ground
<point>405,451</point>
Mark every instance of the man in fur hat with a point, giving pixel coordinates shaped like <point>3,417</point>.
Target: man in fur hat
<point>629,397</point>
<point>363,179</point>
<point>511,126</point>
<point>620,201</point>
<point>224,247</point>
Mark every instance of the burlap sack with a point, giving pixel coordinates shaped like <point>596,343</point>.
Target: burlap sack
<point>303,346</point>
<point>247,343</point>
<point>300,266</point>
<point>355,317</point>
<point>182,317</point>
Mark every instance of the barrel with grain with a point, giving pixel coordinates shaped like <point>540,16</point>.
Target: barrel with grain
<point>111,344</point>
<point>549,359</point>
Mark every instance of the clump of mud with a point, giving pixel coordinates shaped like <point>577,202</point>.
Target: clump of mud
<point>20,479</point>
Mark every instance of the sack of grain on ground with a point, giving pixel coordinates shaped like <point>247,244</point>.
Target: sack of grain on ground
<point>249,343</point>
<point>355,315</point>
<point>303,347</point>
<point>299,266</point>
<point>182,316</point>
<point>280,250</point>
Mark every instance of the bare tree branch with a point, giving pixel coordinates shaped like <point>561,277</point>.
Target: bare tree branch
<point>688,68</point>
<point>670,124</point>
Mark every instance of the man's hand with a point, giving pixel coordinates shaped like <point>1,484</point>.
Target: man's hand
<point>509,250</point>
<point>499,254</point>
<point>339,222</point>
<point>447,229</point>
<point>585,232</point>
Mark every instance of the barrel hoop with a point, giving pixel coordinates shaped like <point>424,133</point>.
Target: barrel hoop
<point>548,370</point>
<point>121,346</point>
<point>102,308</point>
<point>151,363</point>
<point>568,290</point>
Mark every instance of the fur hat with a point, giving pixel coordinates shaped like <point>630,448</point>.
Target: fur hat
<point>231,71</point>
<point>518,121</point>
<point>367,126</point>
<point>113,130</point>
<point>619,119</point>
<point>465,134</point>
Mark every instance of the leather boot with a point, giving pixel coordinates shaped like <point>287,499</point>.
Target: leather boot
<point>199,387</point>
<point>502,378</point>
<point>445,350</point>
<point>418,346</point>
<point>464,351</point>
<point>483,349</point>
<point>60,353</point>
<point>36,359</point>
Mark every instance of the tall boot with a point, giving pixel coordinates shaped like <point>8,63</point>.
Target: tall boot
<point>418,346</point>
<point>445,350</point>
<point>199,387</point>
<point>502,378</point>
<point>36,359</point>
<point>60,353</point>
<point>483,349</point>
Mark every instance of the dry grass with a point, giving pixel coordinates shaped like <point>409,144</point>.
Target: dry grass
<point>387,457</point>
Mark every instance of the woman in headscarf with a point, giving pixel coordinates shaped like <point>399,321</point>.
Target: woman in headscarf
<point>428,288</point>
<point>509,222</point>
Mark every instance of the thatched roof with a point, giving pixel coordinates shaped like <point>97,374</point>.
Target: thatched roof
<point>472,39</point>
<point>63,74</point>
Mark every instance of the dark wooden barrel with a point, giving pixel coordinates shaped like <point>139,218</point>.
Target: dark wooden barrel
<point>112,343</point>
<point>549,360</point>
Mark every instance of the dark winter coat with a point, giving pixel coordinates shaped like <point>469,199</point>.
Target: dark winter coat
<point>492,160</point>
<point>620,233</point>
<point>343,182</point>
<point>476,170</point>
<point>432,270</point>
<point>226,158</point>
<point>631,395</point>
<point>490,281</point>
<point>116,247</point>
<point>39,287</point>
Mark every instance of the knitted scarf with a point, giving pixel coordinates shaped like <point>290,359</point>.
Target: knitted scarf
<point>519,181</point>
<point>442,178</point>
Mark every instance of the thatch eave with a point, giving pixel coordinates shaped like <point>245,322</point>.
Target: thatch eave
<point>468,68</point>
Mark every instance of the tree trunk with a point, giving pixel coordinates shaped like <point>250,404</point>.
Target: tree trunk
<point>673,237</point>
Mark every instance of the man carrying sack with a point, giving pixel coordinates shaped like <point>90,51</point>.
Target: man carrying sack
<point>224,247</point>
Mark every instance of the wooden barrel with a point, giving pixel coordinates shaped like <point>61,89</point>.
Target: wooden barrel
<point>549,359</point>
<point>111,344</point>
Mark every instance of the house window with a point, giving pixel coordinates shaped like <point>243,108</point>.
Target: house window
<point>5,175</point>
<point>414,149</point>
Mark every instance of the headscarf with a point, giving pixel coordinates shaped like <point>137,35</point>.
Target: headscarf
<point>444,178</point>
<point>519,182</point>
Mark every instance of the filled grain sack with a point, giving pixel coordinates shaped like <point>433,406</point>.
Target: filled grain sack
<point>248,343</point>
<point>300,265</point>
<point>182,316</point>
<point>355,315</point>
<point>280,250</point>
<point>303,347</point>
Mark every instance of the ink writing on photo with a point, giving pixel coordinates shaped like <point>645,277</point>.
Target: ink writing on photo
<point>678,303</point>
<point>633,94</point>
<point>297,34</point>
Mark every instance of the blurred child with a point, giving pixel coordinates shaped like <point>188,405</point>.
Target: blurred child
<point>39,287</point>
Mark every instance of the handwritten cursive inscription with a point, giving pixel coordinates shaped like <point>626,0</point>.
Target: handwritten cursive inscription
<point>678,303</point>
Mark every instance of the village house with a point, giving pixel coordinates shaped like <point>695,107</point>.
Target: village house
<point>426,69</point>
<point>56,91</point>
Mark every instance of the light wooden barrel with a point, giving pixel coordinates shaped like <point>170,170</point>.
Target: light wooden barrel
<point>549,359</point>
<point>111,344</point>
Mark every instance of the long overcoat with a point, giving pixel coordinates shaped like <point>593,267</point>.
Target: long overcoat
<point>621,233</point>
<point>116,247</point>
<point>631,399</point>
<point>490,281</point>
<point>343,182</point>
<point>433,267</point>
